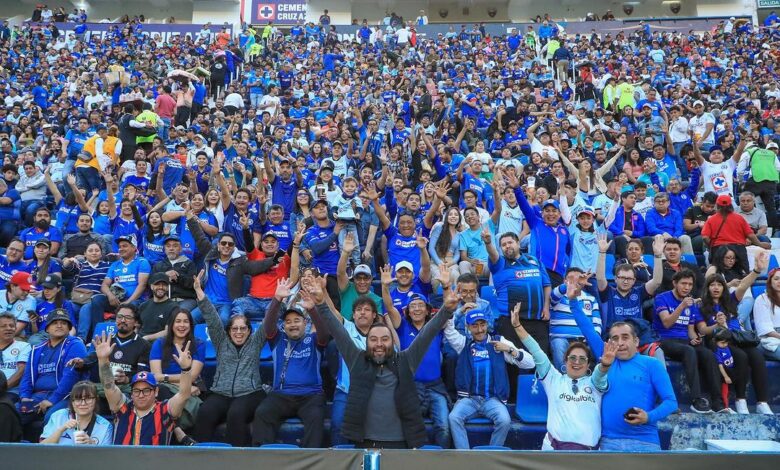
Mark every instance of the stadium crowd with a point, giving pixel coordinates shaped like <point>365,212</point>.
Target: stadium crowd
<point>395,224</point>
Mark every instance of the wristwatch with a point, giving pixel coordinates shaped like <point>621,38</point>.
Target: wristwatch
<point>165,378</point>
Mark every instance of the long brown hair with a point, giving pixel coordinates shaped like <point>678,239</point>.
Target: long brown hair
<point>771,294</point>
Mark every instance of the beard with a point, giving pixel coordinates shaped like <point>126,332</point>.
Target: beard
<point>42,224</point>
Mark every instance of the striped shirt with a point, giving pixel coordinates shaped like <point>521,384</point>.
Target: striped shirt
<point>562,324</point>
<point>89,276</point>
<point>153,429</point>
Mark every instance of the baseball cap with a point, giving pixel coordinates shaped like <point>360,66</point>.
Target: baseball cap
<point>23,280</point>
<point>772,145</point>
<point>646,105</point>
<point>319,201</point>
<point>269,234</point>
<point>172,237</point>
<point>475,315</point>
<point>144,376</point>
<point>698,103</point>
<point>198,136</point>
<point>362,269</point>
<point>716,147</point>
<point>51,281</point>
<point>404,265</point>
<point>417,296</point>
<point>127,238</point>
<point>297,310</point>
<point>58,314</point>
<point>723,200</point>
<point>43,241</point>
<point>159,277</point>
<point>587,210</point>
<point>551,202</point>
<point>327,166</point>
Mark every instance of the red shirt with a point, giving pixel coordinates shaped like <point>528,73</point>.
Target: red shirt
<point>264,285</point>
<point>166,106</point>
<point>734,232</point>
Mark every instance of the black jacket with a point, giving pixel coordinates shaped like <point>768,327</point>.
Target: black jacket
<point>363,372</point>
<point>181,287</point>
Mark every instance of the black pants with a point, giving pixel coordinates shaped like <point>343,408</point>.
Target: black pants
<point>332,287</point>
<point>236,412</point>
<point>276,408</point>
<point>538,329</point>
<point>555,278</point>
<point>766,190</point>
<point>369,444</point>
<point>698,361</point>
<point>749,363</point>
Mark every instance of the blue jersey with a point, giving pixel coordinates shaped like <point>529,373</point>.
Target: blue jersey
<point>31,235</point>
<point>430,366</point>
<point>153,250</point>
<point>667,301</point>
<point>326,261</point>
<point>551,245</point>
<point>216,283</point>
<point>401,299</point>
<point>284,193</point>
<point>174,172</point>
<point>187,239</point>
<point>296,364</point>
<point>8,269</point>
<point>126,274</point>
<point>401,248</point>
<point>521,280</point>
<point>232,225</point>
<point>618,307</point>
<point>282,232</point>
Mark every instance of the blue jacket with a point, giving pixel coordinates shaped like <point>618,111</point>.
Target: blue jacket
<point>464,372</point>
<point>550,245</point>
<point>72,348</point>
<point>656,224</point>
<point>638,221</point>
<point>683,200</point>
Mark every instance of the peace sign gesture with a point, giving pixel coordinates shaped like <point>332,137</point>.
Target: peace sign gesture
<point>183,356</point>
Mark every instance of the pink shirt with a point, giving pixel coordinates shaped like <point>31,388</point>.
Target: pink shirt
<point>165,106</point>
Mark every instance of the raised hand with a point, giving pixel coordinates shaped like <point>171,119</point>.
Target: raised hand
<point>386,276</point>
<point>610,350</point>
<point>658,245</point>
<point>511,180</point>
<point>515,316</point>
<point>196,285</point>
<point>103,346</point>
<point>422,242</point>
<point>183,356</point>
<point>444,273</point>
<point>370,192</point>
<point>487,237</point>
<point>349,243</point>
<point>604,242</point>
<point>441,190</point>
<point>282,289</point>
<point>244,221</point>
<point>316,290</point>
<point>451,299</point>
<point>572,288</point>
<point>761,261</point>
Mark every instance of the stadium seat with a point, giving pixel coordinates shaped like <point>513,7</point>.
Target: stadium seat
<point>213,444</point>
<point>265,353</point>
<point>758,289</point>
<point>609,267</point>
<point>107,327</point>
<point>344,446</point>
<point>430,447</point>
<point>202,333</point>
<point>690,259</point>
<point>531,404</point>
<point>649,261</point>
<point>773,263</point>
<point>491,448</point>
<point>279,446</point>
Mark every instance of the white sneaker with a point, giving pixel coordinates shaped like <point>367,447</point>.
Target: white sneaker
<point>727,411</point>
<point>741,406</point>
<point>763,408</point>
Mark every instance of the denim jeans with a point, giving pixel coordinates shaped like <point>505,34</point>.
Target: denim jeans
<point>558,346</point>
<point>351,227</point>
<point>27,210</point>
<point>92,313</point>
<point>88,178</point>
<point>439,411</point>
<point>471,407</point>
<point>627,445</point>
<point>223,310</point>
<point>68,169</point>
<point>254,99</point>
<point>744,311</point>
<point>253,307</point>
<point>337,417</point>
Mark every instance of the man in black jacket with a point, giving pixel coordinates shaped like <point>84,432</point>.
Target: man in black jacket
<point>380,376</point>
<point>180,271</point>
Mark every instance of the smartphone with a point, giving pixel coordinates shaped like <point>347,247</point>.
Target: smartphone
<point>321,188</point>
<point>531,182</point>
<point>630,413</point>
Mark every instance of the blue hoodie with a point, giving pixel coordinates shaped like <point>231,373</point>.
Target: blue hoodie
<point>637,221</point>
<point>64,377</point>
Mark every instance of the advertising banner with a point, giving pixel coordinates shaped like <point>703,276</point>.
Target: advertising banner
<point>281,12</point>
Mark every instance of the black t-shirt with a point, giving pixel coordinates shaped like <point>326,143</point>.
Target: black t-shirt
<point>695,214</point>
<point>154,316</point>
<point>132,354</point>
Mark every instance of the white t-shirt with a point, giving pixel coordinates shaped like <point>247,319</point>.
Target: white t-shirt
<point>698,125</point>
<point>18,308</point>
<point>339,166</point>
<point>718,178</point>
<point>235,100</point>
<point>574,417</point>
<point>102,432</point>
<point>537,146</point>
<point>271,100</point>
<point>10,357</point>
<point>403,35</point>
<point>644,206</point>
<point>510,220</point>
<point>484,157</point>
<point>678,130</point>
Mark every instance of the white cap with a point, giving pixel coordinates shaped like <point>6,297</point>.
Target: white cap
<point>772,145</point>
<point>698,103</point>
<point>404,264</point>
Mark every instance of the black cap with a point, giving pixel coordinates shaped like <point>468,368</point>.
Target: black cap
<point>159,277</point>
<point>297,310</point>
<point>51,281</point>
<point>43,241</point>
<point>172,237</point>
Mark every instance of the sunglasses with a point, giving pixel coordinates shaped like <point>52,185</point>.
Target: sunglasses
<point>227,244</point>
<point>577,359</point>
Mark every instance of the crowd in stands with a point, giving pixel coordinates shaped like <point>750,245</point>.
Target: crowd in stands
<point>397,225</point>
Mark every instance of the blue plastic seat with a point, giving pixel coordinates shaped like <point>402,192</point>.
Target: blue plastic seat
<point>773,263</point>
<point>491,448</point>
<point>202,333</point>
<point>430,447</point>
<point>689,258</point>
<point>609,267</point>
<point>279,446</point>
<point>213,444</point>
<point>758,289</point>
<point>107,327</point>
<point>531,400</point>
<point>344,446</point>
<point>650,261</point>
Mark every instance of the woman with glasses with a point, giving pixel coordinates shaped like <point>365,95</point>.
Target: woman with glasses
<point>573,397</point>
<point>80,423</point>
<point>723,262</point>
<point>718,311</point>
<point>237,388</point>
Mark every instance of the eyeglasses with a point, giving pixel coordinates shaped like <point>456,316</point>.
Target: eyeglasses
<point>577,359</point>
<point>84,400</point>
<point>227,244</point>
<point>236,329</point>
<point>142,392</point>
<point>624,278</point>
<point>125,317</point>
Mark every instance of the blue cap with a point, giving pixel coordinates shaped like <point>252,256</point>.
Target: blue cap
<point>474,316</point>
<point>416,296</point>
<point>172,237</point>
<point>551,202</point>
<point>144,376</point>
<point>716,147</point>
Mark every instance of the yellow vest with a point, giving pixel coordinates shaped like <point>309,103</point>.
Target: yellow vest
<point>109,149</point>
<point>89,146</point>
<point>147,116</point>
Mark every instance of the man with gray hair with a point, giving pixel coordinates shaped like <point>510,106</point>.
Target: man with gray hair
<point>754,216</point>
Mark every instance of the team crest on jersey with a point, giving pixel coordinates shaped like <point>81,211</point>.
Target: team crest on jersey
<point>588,390</point>
<point>587,305</point>
<point>118,355</point>
<point>15,352</point>
<point>307,340</point>
<point>634,297</point>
